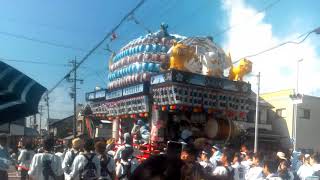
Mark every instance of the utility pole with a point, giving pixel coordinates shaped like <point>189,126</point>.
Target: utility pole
<point>296,99</point>
<point>48,110</point>
<point>256,127</point>
<point>34,121</point>
<point>40,119</point>
<point>73,94</point>
<point>75,99</point>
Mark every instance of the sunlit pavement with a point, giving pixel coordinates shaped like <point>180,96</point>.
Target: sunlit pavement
<point>13,174</point>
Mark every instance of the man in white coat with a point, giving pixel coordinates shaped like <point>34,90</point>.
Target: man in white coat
<point>70,156</point>
<point>46,165</point>
<point>256,171</point>
<point>80,169</point>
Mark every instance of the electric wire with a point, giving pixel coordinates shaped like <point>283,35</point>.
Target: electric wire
<point>19,36</point>
<point>33,62</point>
<point>306,35</point>
<point>139,23</point>
<point>99,44</point>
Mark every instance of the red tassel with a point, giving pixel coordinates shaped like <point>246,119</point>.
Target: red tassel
<point>113,36</point>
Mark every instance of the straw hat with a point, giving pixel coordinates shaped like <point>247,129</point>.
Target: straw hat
<point>216,147</point>
<point>111,141</point>
<point>281,155</point>
<point>76,143</point>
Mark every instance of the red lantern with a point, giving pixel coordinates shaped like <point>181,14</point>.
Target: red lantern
<point>242,114</point>
<point>229,113</point>
<point>173,107</point>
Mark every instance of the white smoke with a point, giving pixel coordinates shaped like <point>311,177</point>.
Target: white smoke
<point>277,67</point>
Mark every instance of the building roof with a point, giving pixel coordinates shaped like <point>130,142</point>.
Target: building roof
<point>30,132</point>
<point>262,102</point>
<point>52,121</point>
<point>19,94</point>
<point>59,120</point>
<point>284,93</point>
<point>280,93</point>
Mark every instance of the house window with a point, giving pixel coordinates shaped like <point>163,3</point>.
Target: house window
<point>281,112</point>
<point>305,114</point>
<point>263,116</point>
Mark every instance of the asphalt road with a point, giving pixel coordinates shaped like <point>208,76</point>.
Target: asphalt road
<point>13,174</point>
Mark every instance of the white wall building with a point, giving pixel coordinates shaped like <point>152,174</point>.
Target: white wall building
<point>308,118</point>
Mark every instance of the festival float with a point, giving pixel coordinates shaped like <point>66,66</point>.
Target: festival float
<point>170,87</point>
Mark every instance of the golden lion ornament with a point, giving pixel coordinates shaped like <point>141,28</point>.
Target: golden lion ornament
<point>237,73</point>
<point>214,63</point>
<point>181,54</point>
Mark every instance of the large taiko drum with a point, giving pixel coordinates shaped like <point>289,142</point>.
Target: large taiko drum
<point>221,129</point>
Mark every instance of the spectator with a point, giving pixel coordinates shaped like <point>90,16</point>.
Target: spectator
<point>70,156</point>
<point>144,131</point>
<point>216,155</point>
<point>126,165</point>
<point>166,168</point>
<point>135,132</point>
<point>46,165</point>
<point>190,168</point>
<point>306,169</point>
<point>24,160</point>
<point>5,159</point>
<point>205,163</point>
<point>111,144</point>
<point>300,162</point>
<point>247,162</point>
<point>244,149</point>
<point>284,171</point>
<point>280,156</point>
<point>86,165</point>
<point>255,172</point>
<point>314,162</point>
<point>224,169</point>
<point>106,162</point>
<point>270,170</point>
<point>67,145</point>
<point>127,144</point>
<point>59,151</point>
<point>239,169</point>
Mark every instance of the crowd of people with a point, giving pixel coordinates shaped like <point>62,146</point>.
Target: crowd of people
<point>99,159</point>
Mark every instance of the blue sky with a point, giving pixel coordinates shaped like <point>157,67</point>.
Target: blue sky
<point>81,24</point>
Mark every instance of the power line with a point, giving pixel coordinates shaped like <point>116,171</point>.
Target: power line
<point>32,62</point>
<point>100,77</point>
<point>19,36</point>
<point>99,44</point>
<point>137,22</point>
<point>40,24</point>
<point>96,73</point>
<point>306,35</point>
